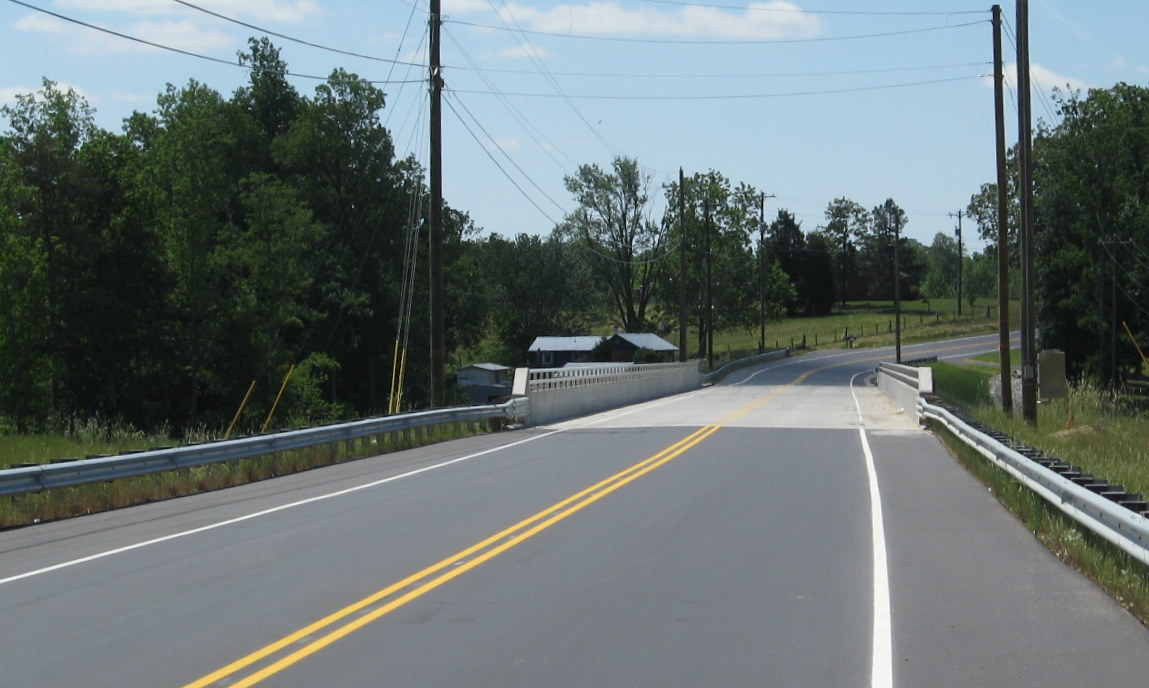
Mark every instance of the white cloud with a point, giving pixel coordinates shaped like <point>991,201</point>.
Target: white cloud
<point>450,7</point>
<point>1047,79</point>
<point>519,52</point>
<point>8,94</point>
<point>261,10</point>
<point>509,144</point>
<point>773,20</point>
<point>1041,78</point>
<point>184,35</point>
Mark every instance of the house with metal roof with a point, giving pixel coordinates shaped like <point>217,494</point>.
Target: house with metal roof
<point>626,344</point>
<point>554,352</point>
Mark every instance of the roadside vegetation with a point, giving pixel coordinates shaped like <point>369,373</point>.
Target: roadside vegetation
<point>1091,428</point>
<point>51,505</point>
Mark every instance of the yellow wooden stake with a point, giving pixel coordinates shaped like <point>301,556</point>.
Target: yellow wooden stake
<point>392,406</point>
<point>279,396</point>
<point>238,411</point>
<point>1143,359</point>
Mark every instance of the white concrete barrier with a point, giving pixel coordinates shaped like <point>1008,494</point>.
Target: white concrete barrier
<point>559,393</point>
<point>904,384</point>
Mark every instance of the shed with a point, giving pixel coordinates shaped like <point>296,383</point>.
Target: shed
<point>484,382</point>
<point>483,374</point>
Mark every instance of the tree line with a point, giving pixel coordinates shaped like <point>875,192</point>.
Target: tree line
<point>149,276</point>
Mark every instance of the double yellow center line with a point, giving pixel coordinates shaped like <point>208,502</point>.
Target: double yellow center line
<point>371,608</point>
<point>290,649</point>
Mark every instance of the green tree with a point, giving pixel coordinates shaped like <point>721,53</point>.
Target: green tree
<point>979,277</point>
<point>817,289</point>
<point>877,260</point>
<point>734,225</point>
<point>42,188</point>
<point>625,248</point>
<point>942,267</point>
<point>847,224</point>
<point>1092,227</point>
<point>190,180</point>
<point>537,287</point>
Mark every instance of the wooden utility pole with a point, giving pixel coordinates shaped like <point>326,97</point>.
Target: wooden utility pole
<point>1002,220</point>
<point>762,271</point>
<point>1025,231</point>
<point>709,291</point>
<point>682,250</point>
<point>957,233</point>
<point>435,253</point>
<point>897,290</point>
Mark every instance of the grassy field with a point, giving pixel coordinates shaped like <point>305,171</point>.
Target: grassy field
<point>1089,428</point>
<point>871,323</point>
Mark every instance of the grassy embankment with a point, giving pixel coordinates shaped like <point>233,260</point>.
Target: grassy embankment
<point>1103,438</point>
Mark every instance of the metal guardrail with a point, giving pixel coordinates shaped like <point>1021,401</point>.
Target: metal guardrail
<point>1106,509</point>
<point>38,478</point>
<point>724,370</point>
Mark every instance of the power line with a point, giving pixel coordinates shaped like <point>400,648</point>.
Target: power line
<point>798,10</point>
<point>534,57</point>
<point>508,157</point>
<point>545,144</point>
<point>169,48</point>
<point>672,41</point>
<point>501,168</point>
<point>747,75</point>
<point>743,96</point>
<point>294,39</point>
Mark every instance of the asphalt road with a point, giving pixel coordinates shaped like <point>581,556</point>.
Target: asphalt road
<point>787,527</point>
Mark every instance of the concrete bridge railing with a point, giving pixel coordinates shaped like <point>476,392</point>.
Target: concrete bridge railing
<point>559,393</point>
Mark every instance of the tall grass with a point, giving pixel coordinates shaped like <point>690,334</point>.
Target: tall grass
<point>1090,428</point>
<point>82,438</point>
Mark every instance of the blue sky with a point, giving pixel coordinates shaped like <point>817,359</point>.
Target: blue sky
<point>807,101</point>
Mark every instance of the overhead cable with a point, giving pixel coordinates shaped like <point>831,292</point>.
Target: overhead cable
<point>678,41</point>
<point>735,75</point>
<point>534,57</point>
<point>799,10</point>
<point>545,144</point>
<point>508,157</point>
<point>501,168</point>
<point>169,48</point>
<point>737,96</point>
<point>293,39</point>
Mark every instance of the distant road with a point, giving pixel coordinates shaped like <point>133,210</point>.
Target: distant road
<point>724,537</point>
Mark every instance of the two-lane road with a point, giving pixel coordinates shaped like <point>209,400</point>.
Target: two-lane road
<point>787,527</point>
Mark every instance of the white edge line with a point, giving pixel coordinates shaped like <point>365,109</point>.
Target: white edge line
<point>266,512</point>
<point>882,670</point>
